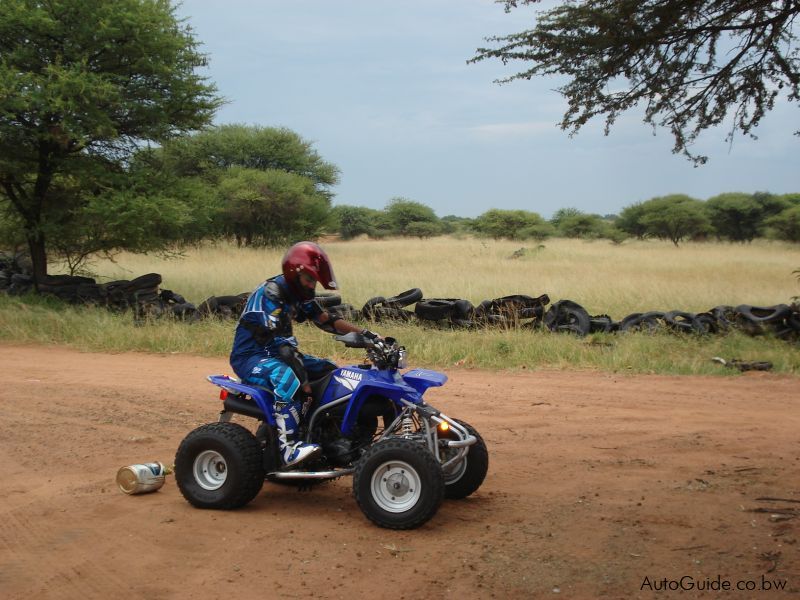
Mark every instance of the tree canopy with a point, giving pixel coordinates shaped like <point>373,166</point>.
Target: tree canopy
<point>513,224</point>
<point>83,84</point>
<point>676,218</point>
<point>271,185</point>
<point>270,207</point>
<point>209,153</point>
<point>735,216</point>
<point>691,64</point>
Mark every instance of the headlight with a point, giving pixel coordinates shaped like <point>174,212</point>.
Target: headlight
<point>401,359</point>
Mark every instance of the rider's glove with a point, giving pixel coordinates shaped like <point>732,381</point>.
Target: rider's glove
<point>370,335</point>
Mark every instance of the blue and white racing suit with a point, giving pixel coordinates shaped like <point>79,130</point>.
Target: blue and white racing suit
<point>264,348</point>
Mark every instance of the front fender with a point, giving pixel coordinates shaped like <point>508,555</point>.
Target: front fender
<point>393,391</point>
<point>422,379</point>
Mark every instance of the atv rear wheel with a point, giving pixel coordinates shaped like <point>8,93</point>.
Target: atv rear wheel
<point>398,484</point>
<point>219,465</point>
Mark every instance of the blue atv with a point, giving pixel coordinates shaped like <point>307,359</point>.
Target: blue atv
<point>371,422</point>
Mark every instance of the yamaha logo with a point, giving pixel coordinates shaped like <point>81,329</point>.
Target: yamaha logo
<point>351,374</point>
<point>348,379</point>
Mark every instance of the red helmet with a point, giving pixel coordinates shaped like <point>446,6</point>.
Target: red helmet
<point>308,258</point>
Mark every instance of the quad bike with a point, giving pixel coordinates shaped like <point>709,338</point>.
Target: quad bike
<point>371,422</point>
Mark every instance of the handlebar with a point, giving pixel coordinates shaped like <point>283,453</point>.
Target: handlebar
<point>383,353</point>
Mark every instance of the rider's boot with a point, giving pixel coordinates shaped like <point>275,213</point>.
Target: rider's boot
<point>292,450</point>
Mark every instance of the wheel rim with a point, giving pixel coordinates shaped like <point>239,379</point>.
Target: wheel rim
<point>396,486</point>
<point>455,472</point>
<point>210,470</point>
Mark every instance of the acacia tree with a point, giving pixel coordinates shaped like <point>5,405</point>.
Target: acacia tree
<point>401,213</point>
<point>83,83</point>
<point>271,207</point>
<point>272,185</point>
<point>513,225</point>
<point>735,216</point>
<point>675,218</point>
<point>692,64</point>
<point>630,220</point>
<point>209,153</point>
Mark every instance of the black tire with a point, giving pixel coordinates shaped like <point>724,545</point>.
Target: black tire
<point>388,313</point>
<point>763,314</point>
<point>684,322</point>
<point>184,312</point>
<point>469,475</point>
<point>413,469</point>
<point>219,466</point>
<point>91,292</point>
<point>463,310</point>
<point>208,306</point>
<point>346,312</point>
<point>518,301</point>
<point>235,303</point>
<point>171,297</point>
<point>567,316</point>
<point>531,312</point>
<point>328,300</point>
<point>21,278</point>
<point>368,310</point>
<point>648,322</point>
<point>57,280</point>
<point>601,324</point>
<point>435,309</point>
<point>725,316</point>
<point>707,323</point>
<point>483,309</point>
<point>404,298</point>
<point>151,280</point>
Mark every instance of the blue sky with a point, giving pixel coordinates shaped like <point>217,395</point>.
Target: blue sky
<point>383,91</point>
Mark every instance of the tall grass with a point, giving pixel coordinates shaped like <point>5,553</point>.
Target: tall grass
<point>604,278</point>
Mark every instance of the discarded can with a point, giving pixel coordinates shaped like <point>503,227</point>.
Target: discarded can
<point>142,478</point>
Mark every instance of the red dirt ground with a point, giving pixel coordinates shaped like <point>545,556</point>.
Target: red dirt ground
<point>599,485</point>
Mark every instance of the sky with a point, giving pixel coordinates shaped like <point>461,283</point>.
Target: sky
<point>383,91</point>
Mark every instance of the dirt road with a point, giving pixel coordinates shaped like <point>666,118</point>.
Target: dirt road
<point>599,486</point>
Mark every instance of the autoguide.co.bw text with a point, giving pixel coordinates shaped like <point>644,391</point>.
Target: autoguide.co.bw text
<point>689,583</point>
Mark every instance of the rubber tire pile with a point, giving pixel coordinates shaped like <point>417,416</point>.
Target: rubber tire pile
<point>142,295</point>
<point>146,300</point>
<point>567,316</point>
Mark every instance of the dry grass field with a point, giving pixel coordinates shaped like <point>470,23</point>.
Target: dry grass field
<point>604,278</point>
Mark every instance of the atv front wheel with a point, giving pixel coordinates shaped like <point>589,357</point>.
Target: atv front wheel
<point>398,484</point>
<point>219,465</point>
<point>466,476</point>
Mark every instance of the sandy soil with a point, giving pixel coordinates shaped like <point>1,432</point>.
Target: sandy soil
<point>599,486</point>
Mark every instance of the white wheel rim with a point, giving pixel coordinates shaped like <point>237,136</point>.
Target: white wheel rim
<point>455,472</point>
<point>210,470</point>
<point>396,486</point>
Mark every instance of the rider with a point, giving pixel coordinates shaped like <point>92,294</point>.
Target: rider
<point>265,350</point>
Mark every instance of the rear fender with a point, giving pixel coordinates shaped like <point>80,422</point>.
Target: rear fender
<point>260,396</point>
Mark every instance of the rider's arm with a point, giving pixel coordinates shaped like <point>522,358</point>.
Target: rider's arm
<point>338,324</point>
<point>335,324</point>
<point>262,317</point>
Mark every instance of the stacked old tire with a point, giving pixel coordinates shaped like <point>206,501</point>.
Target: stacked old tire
<point>144,297</point>
<point>567,316</point>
